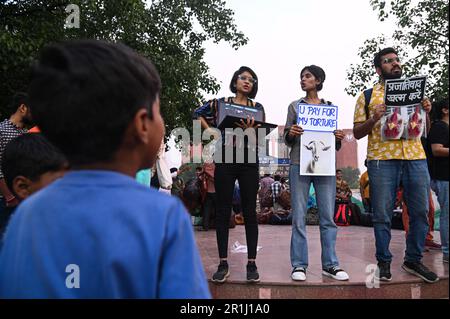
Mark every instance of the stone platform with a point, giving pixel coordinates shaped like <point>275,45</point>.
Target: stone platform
<point>355,250</point>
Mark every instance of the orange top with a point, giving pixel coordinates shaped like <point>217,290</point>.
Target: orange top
<point>34,129</point>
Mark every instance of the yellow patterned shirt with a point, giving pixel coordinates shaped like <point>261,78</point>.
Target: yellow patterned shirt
<point>385,150</point>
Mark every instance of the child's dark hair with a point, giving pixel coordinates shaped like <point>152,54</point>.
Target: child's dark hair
<point>234,79</point>
<point>17,100</point>
<point>318,73</point>
<point>85,93</point>
<point>441,103</point>
<point>30,155</point>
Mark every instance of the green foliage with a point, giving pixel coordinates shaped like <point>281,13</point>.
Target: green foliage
<point>170,32</point>
<point>351,176</point>
<point>421,39</point>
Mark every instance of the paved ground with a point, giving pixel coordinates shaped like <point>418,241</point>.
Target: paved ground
<point>355,249</point>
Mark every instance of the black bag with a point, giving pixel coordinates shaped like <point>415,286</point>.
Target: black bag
<point>280,219</point>
<point>397,221</point>
<point>356,214</point>
<point>312,216</point>
<point>366,219</point>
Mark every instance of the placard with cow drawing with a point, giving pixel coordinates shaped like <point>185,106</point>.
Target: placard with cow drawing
<point>317,154</point>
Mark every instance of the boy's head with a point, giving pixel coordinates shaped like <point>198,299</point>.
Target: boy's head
<point>19,107</point>
<point>30,163</point>
<point>97,101</point>
<point>440,109</point>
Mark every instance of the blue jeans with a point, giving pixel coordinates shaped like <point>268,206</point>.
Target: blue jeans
<point>385,178</point>
<point>441,190</point>
<point>325,187</point>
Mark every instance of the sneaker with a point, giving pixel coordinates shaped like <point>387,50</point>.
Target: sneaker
<point>445,259</point>
<point>252,272</point>
<point>335,272</point>
<point>384,271</point>
<point>431,244</point>
<point>299,274</point>
<point>420,270</point>
<point>222,272</point>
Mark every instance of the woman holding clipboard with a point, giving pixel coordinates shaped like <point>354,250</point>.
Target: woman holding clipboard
<point>244,84</point>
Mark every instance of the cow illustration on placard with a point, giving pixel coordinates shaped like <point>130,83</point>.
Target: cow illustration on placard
<point>316,148</point>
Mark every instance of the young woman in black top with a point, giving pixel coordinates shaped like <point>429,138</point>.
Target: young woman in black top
<point>244,84</point>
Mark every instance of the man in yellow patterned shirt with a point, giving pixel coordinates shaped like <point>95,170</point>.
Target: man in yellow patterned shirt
<point>390,163</point>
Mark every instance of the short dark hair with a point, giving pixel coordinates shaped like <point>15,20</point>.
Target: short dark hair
<point>85,93</point>
<point>438,105</point>
<point>339,170</point>
<point>30,155</point>
<point>277,178</point>
<point>17,100</point>
<point>173,170</point>
<point>377,58</point>
<point>318,73</point>
<point>241,70</point>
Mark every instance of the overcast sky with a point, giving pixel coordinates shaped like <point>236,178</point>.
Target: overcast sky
<point>286,35</point>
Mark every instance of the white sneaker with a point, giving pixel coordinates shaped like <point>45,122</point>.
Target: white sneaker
<point>299,274</point>
<point>336,273</point>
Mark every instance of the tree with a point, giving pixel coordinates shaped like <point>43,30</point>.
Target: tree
<point>170,32</point>
<point>421,39</point>
<point>351,176</point>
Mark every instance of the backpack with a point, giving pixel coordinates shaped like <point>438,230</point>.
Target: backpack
<point>367,98</point>
<point>342,215</point>
<point>312,216</point>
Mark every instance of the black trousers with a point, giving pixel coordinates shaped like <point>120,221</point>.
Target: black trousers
<point>209,209</point>
<point>225,176</point>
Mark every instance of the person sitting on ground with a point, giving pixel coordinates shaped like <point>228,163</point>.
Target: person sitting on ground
<point>264,196</point>
<point>98,102</point>
<point>210,200</point>
<point>344,202</point>
<point>30,163</point>
<point>364,187</point>
<point>177,182</point>
<point>343,191</point>
<point>276,189</point>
